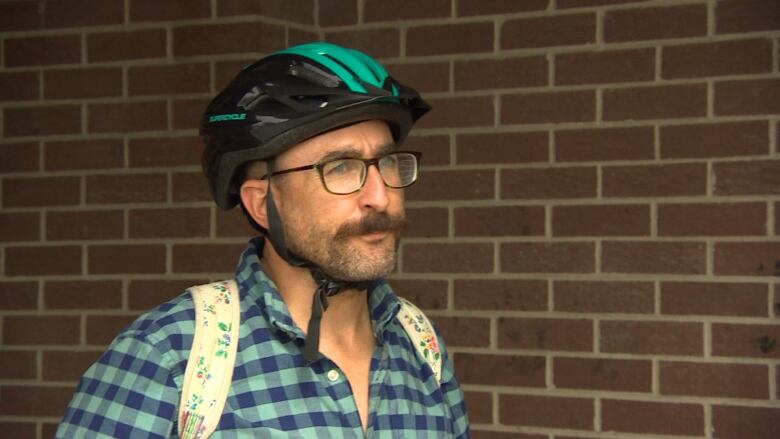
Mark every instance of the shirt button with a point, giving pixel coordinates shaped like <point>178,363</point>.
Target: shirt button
<point>333,375</point>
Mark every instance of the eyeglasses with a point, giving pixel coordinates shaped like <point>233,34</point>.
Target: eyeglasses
<point>348,175</point>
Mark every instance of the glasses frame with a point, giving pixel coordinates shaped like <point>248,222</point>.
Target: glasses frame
<point>367,162</point>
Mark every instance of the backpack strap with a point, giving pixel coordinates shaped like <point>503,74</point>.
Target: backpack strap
<point>422,335</point>
<point>212,357</point>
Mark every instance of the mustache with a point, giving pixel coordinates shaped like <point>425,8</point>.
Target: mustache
<point>373,222</point>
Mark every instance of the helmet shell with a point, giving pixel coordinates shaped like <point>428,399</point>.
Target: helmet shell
<point>292,95</point>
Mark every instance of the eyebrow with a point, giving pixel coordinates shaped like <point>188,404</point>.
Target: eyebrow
<point>351,152</point>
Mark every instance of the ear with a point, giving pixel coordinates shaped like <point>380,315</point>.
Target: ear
<point>254,194</point>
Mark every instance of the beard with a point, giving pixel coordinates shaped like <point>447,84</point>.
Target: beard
<point>339,256</point>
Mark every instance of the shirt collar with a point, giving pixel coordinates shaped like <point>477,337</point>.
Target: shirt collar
<point>255,283</point>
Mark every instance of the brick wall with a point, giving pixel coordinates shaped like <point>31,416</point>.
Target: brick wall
<point>596,229</point>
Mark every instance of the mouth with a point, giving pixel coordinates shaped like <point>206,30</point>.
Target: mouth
<point>375,236</point>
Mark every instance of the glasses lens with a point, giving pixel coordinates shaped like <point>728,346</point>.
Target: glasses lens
<point>398,169</point>
<point>343,176</point>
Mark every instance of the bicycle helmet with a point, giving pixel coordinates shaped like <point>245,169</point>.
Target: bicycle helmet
<point>284,99</point>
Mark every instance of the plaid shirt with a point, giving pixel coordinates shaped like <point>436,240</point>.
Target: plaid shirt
<point>133,390</point>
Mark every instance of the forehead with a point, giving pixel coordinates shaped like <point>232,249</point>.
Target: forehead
<point>364,139</point>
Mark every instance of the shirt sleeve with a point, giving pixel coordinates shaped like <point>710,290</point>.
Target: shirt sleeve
<point>128,393</point>
<point>453,395</point>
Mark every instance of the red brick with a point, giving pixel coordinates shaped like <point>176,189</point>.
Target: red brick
<point>187,113</point>
<point>42,51</point>
<point>714,140</point>
<point>20,226</point>
<point>501,73</point>
<point>635,65</point>
<point>515,294</point>
<point>151,10</point>
<point>746,16</point>
<point>80,13</point>
<point>604,297</point>
<point>548,257</point>
<point>492,147</point>
<point>711,219</point>
<point>652,338</point>
<point>182,222</point>
<point>118,46</point>
<point>652,417</point>
<point>18,296</point>
<point>655,23</point>
<point>435,148</point>
<point>461,111</point>
<point>545,334</point>
<point>44,261</point>
<point>145,294</point>
<point>42,121</point>
<point>653,257</point>
<point>40,330</point>
<point>426,294</point>
<point>18,365</point>
<point>298,36</point>
<point>84,225</point>
<point>49,429</point>
<point>168,79</point>
<point>548,183</point>
<point>34,401</point>
<point>500,370</point>
<point>41,191</point>
<point>425,77</point>
<point>602,374</point>
<point>658,102</point>
<point>84,154</point>
<point>655,180</point>
<point>206,258</point>
<point>67,365</point>
<point>380,43</point>
<point>18,157</point>
<point>714,380</point>
<point>127,188</point>
<point>191,186</point>
<point>714,299</point>
<point>233,223</point>
<point>604,144</point>
<point>546,411</point>
<point>465,331</point>
<point>747,258</point>
<point>745,340</point>
<point>299,12</point>
<point>747,178</point>
<point>558,30</point>
<point>20,15</point>
<point>82,295</point>
<point>18,86</point>
<point>20,430</point>
<point>380,10</point>
<point>606,220</point>
<point>449,39</point>
<point>126,258</point>
<point>102,329</point>
<point>165,151</point>
<point>211,39</point>
<point>427,222</point>
<point>752,422</point>
<point>706,59</point>
<point>448,258</point>
<point>484,7</point>
<point>128,117</point>
<point>546,107</point>
<point>338,12</point>
<point>503,221</point>
<point>563,4</point>
<point>480,406</point>
<point>453,185</point>
<point>760,96</point>
<point>486,434</point>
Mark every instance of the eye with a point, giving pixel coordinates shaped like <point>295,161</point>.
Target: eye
<point>338,167</point>
<point>389,161</point>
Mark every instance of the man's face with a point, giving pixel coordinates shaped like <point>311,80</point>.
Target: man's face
<point>352,237</point>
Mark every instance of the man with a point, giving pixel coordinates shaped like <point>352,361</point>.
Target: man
<point>305,140</point>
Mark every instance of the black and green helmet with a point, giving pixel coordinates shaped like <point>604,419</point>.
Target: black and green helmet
<point>292,95</point>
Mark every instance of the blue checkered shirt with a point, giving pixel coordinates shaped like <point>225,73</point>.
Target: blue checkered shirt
<point>133,390</point>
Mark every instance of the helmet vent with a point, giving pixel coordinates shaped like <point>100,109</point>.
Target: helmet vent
<point>252,98</point>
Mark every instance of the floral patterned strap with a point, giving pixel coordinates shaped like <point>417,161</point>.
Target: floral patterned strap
<point>422,335</point>
<point>212,357</point>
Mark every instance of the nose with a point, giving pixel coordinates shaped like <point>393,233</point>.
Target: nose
<point>374,193</point>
